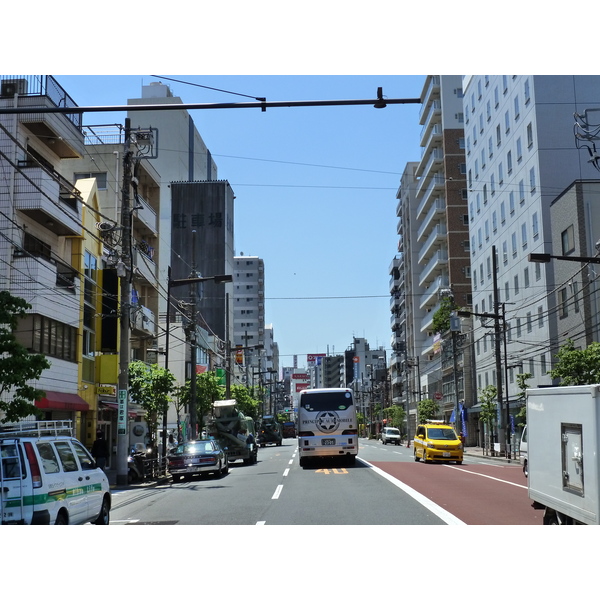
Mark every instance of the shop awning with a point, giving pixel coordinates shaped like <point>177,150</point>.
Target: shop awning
<point>132,412</point>
<point>62,401</point>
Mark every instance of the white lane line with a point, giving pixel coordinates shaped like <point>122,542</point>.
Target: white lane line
<point>488,476</point>
<point>260,522</point>
<point>291,462</point>
<point>437,510</point>
<point>285,473</point>
<point>277,492</point>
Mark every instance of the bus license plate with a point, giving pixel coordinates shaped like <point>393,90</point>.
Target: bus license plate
<point>328,442</point>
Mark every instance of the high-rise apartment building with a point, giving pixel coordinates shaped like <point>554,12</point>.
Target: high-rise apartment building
<point>249,312</point>
<point>520,155</point>
<point>433,250</point>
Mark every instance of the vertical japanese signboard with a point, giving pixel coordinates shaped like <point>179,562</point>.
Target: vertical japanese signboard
<point>122,413</point>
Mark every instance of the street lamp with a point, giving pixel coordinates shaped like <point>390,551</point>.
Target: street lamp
<point>171,283</point>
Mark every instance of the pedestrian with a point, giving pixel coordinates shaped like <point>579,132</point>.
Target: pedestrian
<point>100,451</point>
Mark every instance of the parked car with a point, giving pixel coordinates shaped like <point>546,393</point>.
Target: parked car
<point>523,452</point>
<point>390,435</point>
<point>436,441</point>
<point>197,457</point>
<point>48,478</point>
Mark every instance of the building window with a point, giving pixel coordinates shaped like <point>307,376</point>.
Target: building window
<point>532,180</point>
<point>519,150</point>
<point>543,365</point>
<point>516,284</point>
<point>568,240</point>
<point>504,253</point>
<point>498,135</point>
<point>535,226</point>
<point>540,317</point>
<point>575,288</point>
<point>527,92</point>
<point>511,202</point>
<point>521,192</point>
<point>529,135</point>
<point>563,308</point>
<point>509,161</point>
<point>101,180</point>
<point>506,292</point>
<point>513,239</point>
<point>517,111</point>
<point>502,213</point>
<point>529,323</point>
<point>526,277</point>
<point>524,235</point>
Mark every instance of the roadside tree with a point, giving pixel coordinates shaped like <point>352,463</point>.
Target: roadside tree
<point>428,409</point>
<point>151,386</point>
<point>489,412</point>
<point>17,364</point>
<point>577,367</point>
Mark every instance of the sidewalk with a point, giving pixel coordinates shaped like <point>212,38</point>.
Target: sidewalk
<point>112,480</point>
<point>478,452</point>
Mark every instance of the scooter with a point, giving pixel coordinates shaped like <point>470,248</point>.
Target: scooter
<point>135,465</point>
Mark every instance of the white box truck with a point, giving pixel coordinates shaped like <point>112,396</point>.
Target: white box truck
<point>563,429</point>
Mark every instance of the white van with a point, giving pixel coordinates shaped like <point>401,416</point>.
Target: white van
<point>48,477</point>
<point>390,435</point>
<point>523,452</point>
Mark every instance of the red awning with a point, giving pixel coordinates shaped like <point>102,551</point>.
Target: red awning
<point>62,401</point>
<point>132,412</point>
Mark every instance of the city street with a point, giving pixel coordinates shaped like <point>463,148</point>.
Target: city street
<point>385,487</point>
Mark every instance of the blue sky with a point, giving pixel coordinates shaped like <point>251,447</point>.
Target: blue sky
<point>315,191</point>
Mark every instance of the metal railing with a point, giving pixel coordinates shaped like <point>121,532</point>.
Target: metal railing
<point>41,85</point>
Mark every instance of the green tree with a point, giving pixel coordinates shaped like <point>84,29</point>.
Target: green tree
<point>428,409</point>
<point>577,367</point>
<point>522,379</point>
<point>208,389</point>
<point>246,401</point>
<point>489,411</point>
<point>395,415</point>
<point>151,386</point>
<point>441,319</point>
<point>17,365</point>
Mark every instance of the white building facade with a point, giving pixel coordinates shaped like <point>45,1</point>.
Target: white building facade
<point>520,155</point>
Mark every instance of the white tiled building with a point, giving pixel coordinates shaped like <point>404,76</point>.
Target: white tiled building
<point>521,154</point>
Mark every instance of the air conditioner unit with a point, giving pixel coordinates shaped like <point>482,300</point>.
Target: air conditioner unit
<point>10,87</point>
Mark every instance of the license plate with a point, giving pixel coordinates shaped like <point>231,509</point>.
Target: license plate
<point>328,442</point>
<point>446,454</point>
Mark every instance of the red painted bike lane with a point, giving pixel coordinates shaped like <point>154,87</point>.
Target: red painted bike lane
<point>476,494</point>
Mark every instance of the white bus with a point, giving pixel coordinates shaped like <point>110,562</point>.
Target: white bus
<point>327,425</point>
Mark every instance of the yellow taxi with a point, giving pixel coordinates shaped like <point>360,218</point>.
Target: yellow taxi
<point>436,441</point>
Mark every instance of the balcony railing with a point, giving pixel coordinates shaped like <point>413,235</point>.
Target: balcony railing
<point>40,85</point>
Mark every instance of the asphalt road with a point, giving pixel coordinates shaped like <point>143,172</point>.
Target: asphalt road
<point>384,487</point>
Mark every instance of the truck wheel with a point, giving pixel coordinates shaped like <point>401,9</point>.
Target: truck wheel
<point>525,469</point>
<point>417,459</point>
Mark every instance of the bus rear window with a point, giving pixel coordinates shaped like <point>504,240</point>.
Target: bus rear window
<point>326,401</point>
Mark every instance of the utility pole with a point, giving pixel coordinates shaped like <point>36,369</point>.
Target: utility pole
<point>193,343</point>
<point>498,351</point>
<point>124,270</point>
